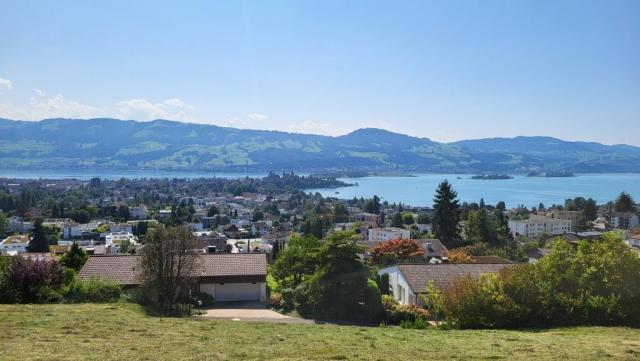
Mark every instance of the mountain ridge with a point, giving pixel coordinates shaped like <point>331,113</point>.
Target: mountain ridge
<point>168,144</point>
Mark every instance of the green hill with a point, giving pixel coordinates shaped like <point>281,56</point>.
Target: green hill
<point>162,144</point>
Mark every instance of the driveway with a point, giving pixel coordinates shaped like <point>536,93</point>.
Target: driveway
<point>248,311</point>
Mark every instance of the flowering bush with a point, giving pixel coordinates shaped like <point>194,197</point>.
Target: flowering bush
<point>31,281</point>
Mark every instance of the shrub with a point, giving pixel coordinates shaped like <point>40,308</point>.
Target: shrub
<point>410,313</point>
<point>32,281</point>
<point>98,290</point>
<point>202,299</point>
<point>275,300</point>
<point>417,324</point>
<point>287,303</point>
<point>595,283</point>
<point>389,303</point>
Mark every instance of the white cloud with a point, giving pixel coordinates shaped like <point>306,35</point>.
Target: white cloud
<point>58,106</point>
<point>178,103</point>
<point>313,127</point>
<point>258,117</point>
<point>143,109</point>
<point>6,84</point>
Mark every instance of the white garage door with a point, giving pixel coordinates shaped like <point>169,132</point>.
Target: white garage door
<point>237,292</point>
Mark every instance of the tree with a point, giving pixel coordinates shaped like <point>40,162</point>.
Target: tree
<point>396,250</point>
<point>296,261</point>
<point>372,205</point>
<point>213,210</point>
<point>340,288</point>
<point>75,258</point>
<point>340,213</point>
<point>167,265</point>
<point>407,219</point>
<point>479,227</point>
<point>501,206</point>
<point>446,217</point>
<point>125,247</point>
<point>3,222</point>
<point>396,221</point>
<point>39,243</point>
<point>625,203</point>
<point>423,218</point>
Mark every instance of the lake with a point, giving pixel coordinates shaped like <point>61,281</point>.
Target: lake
<point>417,190</point>
<point>530,191</point>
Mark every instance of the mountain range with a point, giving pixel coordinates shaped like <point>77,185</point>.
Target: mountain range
<point>162,144</point>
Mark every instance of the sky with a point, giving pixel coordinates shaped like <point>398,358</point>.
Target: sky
<point>445,70</point>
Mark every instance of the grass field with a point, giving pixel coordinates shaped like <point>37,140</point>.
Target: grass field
<point>124,332</point>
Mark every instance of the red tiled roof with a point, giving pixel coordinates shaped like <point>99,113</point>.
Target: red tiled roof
<point>125,269</point>
<point>443,275</point>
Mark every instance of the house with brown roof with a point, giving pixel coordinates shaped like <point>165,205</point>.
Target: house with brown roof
<point>408,281</point>
<point>225,276</point>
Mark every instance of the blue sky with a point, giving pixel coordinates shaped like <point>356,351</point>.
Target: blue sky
<point>446,70</point>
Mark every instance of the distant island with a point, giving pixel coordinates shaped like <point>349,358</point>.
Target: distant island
<point>163,145</point>
<point>491,176</point>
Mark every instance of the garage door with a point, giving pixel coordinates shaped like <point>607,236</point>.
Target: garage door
<point>237,292</point>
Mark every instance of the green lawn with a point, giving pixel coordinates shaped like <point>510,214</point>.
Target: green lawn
<point>124,332</point>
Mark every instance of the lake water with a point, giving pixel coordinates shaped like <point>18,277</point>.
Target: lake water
<point>530,191</point>
<point>417,190</point>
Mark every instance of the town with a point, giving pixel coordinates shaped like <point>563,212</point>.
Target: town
<point>253,235</point>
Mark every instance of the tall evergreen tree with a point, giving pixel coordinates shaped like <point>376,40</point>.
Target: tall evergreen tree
<point>625,203</point>
<point>396,221</point>
<point>39,243</point>
<point>75,258</point>
<point>446,217</point>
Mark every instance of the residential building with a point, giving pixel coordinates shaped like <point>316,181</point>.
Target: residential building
<point>139,213</point>
<point>14,244</point>
<point>624,220</point>
<point>408,281</point>
<point>17,225</point>
<point>367,217</point>
<point>387,234</point>
<point>572,216</point>
<point>225,276</point>
<point>536,227</point>
<point>120,228</point>
<point>113,240</point>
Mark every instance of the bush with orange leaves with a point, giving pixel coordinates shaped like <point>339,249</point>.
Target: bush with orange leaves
<point>459,255</point>
<point>395,250</point>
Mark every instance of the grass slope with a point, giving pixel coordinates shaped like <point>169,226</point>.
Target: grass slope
<point>124,332</point>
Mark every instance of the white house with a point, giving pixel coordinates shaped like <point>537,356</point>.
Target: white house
<point>120,228</point>
<point>14,244</point>
<point>387,234</point>
<point>408,281</point>
<point>17,225</point>
<point>139,213</point>
<point>533,228</point>
<point>624,220</point>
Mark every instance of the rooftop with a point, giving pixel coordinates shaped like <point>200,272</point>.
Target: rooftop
<point>21,238</point>
<point>125,269</point>
<point>443,275</point>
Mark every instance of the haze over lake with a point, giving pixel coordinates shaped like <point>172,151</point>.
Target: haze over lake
<point>530,191</point>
